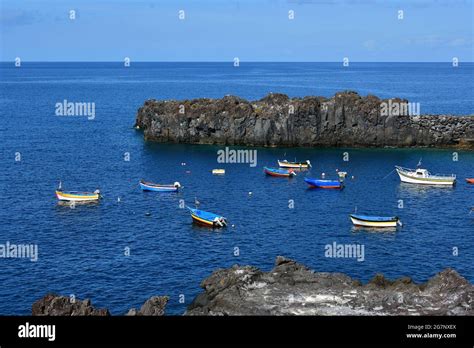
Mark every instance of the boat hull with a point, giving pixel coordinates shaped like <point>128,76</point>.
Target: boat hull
<point>280,173</point>
<point>470,181</point>
<point>158,188</point>
<point>293,165</point>
<point>77,197</point>
<point>208,219</point>
<point>202,222</point>
<point>410,179</point>
<point>373,222</point>
<point>324,184</point>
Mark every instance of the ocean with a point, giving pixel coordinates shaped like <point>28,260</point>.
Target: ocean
<point>134,244</point>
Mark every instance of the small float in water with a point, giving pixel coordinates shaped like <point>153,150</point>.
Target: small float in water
<point>324,184</point>
<point>424,177</point>
<point>206,218</point>
<point>218,171</point>
<point>470,180</point>
<point>342,175</point>
<point>295,165</point>
<point>282,173</point>
<point>148,186</point>
<point>375,221</point>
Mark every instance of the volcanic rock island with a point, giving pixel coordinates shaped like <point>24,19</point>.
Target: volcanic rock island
<point>345,120</point>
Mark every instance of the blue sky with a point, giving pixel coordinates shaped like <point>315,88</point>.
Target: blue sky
<point>258,30</point>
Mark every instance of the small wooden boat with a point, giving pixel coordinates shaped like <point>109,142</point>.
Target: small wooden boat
<point>424,177</point>
<point>282,173</point>
<point>218,171</point>
<point>206,218</point>
<point>148,186</point>
<point>374,221</point>
<point>324,184</point>
<point>76,196</point>
<point>470,181</point>
<point>295,165</point>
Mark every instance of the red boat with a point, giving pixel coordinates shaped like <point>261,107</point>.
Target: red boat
<point>470,180</point>
<point>282,173</point>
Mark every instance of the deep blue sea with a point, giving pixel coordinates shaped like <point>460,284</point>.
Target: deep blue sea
<point>81,250</point>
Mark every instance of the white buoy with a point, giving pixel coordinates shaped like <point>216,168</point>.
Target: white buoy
<point>250,193</point>
<point>118,199</point>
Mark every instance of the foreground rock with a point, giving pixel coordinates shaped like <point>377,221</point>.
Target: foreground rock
<point>346,119</point>
<point>55,305</point>
<point>292,289</point>
<point>154,306</point>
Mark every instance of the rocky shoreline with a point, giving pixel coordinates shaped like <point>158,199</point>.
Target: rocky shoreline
<point>345,120</point>
<point>292,289</point>
<point>56,305</point>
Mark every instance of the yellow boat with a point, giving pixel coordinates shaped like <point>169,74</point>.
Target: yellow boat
<point>76,196</point>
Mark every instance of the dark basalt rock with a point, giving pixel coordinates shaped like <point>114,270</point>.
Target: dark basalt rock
<point>55,305</point>
<point>154,306</point>
<point>346,119</point>
<point>292,289</point>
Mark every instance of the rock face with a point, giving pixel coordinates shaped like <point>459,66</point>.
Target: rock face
<point>346,119</point>
<point>154,306</point>
<point>55,305</point>
<point>292,289</point>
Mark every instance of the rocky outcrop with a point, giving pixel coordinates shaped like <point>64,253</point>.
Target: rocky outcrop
<point>154,306</point>
<point>292,289</point>
<point>347,119</point>
<point>55,305</point>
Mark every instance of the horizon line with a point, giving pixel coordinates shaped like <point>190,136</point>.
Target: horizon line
<point>222,61</point>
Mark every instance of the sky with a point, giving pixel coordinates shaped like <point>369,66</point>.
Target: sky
<point>258,30</point>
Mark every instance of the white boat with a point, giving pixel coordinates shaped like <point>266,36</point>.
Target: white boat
<point>295,165</point>
<point>375,221</point>
<point>149,186</point>
<point>424,177</point>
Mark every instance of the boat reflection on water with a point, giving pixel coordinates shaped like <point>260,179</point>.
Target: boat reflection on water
<point>74,204</point>
<point>361,229</point>
<point>423,189</point>
<point>201,229</point>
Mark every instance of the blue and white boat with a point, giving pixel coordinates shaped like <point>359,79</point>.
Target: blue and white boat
<point>148,186</point>
<point>324,184</point>
<point>206,218</point>
<point>375,221</point>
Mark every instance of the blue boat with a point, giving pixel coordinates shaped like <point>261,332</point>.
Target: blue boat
<point>148,186</point>
<point>325,184</point>
<point>282,173</point>
<point>206,218</point>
